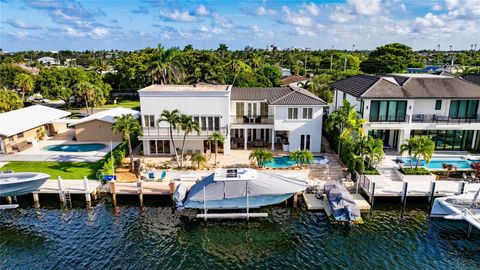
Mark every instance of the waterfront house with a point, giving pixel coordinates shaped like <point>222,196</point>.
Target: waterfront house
<point>18,128</point>
<point>98,126</point>
<point>285,118</point>
<point>399,106</point>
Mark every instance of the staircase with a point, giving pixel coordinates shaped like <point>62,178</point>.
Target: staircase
<point>68,198</point>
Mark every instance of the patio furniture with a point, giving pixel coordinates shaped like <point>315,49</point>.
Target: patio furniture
<point>151,175</point>
<point>163,175</point>
<point>464,175</point>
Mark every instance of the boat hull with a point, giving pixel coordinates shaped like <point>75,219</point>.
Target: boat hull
<point>26,183</point>
<point>238,203</point>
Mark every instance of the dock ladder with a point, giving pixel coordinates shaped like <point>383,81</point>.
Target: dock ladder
<point>68,197</point>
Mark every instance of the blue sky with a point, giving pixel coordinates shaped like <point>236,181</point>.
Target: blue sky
<point>129,25</point>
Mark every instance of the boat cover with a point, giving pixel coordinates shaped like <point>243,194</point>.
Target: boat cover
<point>266,184</point>
<point>342,203</point>
<point>16,184</point>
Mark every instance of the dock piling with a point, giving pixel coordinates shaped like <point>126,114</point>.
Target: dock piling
<point>431,198</point>
<point>9,200</point>
<point>61,192</point>
<point>404,197</point>
<point>113,191</point>
<point>372,195</point>
<point>36,199</point>
<point>140,191</point>
<point>88,198</point>
<point>461,187</point>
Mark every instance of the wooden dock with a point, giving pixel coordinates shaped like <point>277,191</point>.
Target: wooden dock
<point>316,204</point>
<point>65,188</point>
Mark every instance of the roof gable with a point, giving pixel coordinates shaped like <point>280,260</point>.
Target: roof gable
<point>277,95</point>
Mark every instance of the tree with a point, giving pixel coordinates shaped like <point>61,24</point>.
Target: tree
<point>24,82</point>
<point>199,159</point>
<point>301,157</point>
<point>449,168</point>
<point>8,72</point>
<point>320,85</point>
<point>345,120</point>
<point>165,66</point>
<point>261,156</point>
<point>216,138</point>
<point>128,126</point>
<point>390,58</point>
<point>374,150</point>
<point>9,100</point>
<point>426,148</point>
<point>86,92</point>
<point>411,147</point>
<point>186,123</point>
<point>172,118</point>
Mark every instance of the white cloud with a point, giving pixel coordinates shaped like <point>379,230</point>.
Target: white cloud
<point>430,20</point>
<point>451,4</point>
<point>313,9</point>
<point>222,21</point>
<point>17,23</point>
<point>296,19</point>
<point>202,11</point>
<point>99,32</point>
<point>19,34</point>
<point>397,29</point>
<point>262,11</point>
<point>341,15</point>
<point>178,16</point>
<point>365,7</point>
<point>74,33</point>
<point>304,32</point>
<point>436,7</point>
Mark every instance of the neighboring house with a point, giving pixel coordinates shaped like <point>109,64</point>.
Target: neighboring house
<point>427,69</point>
<point>399,106</point>
<point>474,78</point>
<point>285,72</point>
<point>49,61</point>
<point>98,126</point>
<point>18,129</point>
<point>294,80</point>
<point>247,117</point>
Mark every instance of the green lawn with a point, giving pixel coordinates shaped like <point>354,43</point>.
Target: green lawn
<point>130,104</point>
<point>67,170</point>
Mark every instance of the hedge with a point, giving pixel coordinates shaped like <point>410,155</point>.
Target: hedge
<point>413,171</point>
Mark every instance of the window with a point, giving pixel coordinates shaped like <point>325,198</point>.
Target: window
<point>307,113</point>
<point>456,140</point>
<point>204,123</point>
<point>149,120</point>
<point>240,107</point>
<point>344,95</point>
<point>390,111</point>
<point>292,113</point>
<point>263,109</point>
<point>438,104</point>
<point>159,147</point>
<point>217,123</point>
<point>305,142</point>
<point>463,109</point>
<point>210,123</point>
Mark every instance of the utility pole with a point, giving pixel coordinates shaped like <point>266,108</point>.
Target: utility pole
<point>331,59</point>
<point>345,65</point>
<point>438,53</point>
<point>305,62</point>
<point>451,55</point>
<point>353,47</point>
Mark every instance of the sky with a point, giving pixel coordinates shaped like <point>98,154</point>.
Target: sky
<point>343,24</point>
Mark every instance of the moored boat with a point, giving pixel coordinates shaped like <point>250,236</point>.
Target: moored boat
<point>459,207</point>
<point>237,189</point>
<point>16,184</point>
<point>341,204</point>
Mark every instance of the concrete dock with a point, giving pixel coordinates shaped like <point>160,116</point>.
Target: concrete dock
<point>65,188</point>
<point>316,204</point>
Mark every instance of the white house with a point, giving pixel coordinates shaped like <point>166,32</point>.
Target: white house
<point>46,60</point>
<point>281,117</point>
<point>398,106</point>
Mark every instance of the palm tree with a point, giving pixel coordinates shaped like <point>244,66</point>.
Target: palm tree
<point>295,156</point>
<point>127,125</point>
<point>261,156</point>
<point>165,66</point>
<point>346,121</point>
<point>24,82</point>
<point>172,118</point>
<point>216,138</point>
<point>186,123</point>
<point>374,150</point>
<point>411,147</point>
<point>301,157</point>
<point>87,91</point>
<point>426,148</point>
<point>199,159</point>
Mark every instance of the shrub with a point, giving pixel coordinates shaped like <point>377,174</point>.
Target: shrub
<point>371,171</point>
<point>415,171</point>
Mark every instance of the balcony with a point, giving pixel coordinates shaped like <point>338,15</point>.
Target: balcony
<point>441,119</point>
<point>258,119</point>
<point>178,134</point>
<point>388,119</point>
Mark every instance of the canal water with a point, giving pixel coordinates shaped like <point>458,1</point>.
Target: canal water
<point>155,237</point>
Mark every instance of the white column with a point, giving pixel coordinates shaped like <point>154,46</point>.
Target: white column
<point>273,139</point>
<point>226,144</point>
<point>474,138</point>
<point>245,130</point>
<point>402,136</point>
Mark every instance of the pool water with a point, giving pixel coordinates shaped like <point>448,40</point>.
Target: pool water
<point>285,162</point>
<point>436,163</point>
<point>87,147</point>
<point>154,237</point>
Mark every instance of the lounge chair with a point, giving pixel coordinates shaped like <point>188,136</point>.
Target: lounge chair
<point>151,175</point>
<point>163,175</point>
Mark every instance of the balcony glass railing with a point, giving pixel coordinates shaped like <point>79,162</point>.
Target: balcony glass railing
<point>388,118</point>
<point>246,119</point>
<point>441,119</point>
<point>165,131</point>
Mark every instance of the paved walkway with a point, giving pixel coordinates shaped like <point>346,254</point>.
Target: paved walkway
<point>335,170</point>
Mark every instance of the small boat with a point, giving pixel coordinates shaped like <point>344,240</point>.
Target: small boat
<point>340,205</point>
<point>16,184</point>
<point>459,207</point>
<point>237,189</point>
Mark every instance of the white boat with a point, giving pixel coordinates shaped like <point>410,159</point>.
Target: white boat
<point>16,184</point>
<point>459,207</point>
<point>237,189</point>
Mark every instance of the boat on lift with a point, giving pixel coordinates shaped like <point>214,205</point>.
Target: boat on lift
<point>231,189</point>
<point>16,184</point>
<point>340,204</point>
<point>459,207</point>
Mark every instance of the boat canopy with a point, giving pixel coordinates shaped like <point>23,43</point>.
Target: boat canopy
<point>264,184</point>
<point>341,201</point>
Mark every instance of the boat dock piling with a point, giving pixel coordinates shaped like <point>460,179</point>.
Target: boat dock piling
<point>66,188</point>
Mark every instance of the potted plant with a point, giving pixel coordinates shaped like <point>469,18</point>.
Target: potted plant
<point>41,133</point>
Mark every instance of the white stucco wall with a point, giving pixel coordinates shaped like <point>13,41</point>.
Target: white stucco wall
<point>297,127</point>
<point>338,101</point>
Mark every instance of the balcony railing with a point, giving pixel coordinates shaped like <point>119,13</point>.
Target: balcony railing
<point>388,118</point>
<point>165,131</point>
<point>246,119</point>
<point>441,119</point>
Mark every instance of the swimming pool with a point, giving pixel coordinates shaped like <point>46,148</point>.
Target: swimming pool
<point>285,162</point>
<point>86,147</point>
<point>436,163</point>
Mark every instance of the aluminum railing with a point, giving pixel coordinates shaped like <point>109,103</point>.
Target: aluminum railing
<point>165,131</point>
<point>247,119</point>
<point>441,119</point>
<point>388,119</point>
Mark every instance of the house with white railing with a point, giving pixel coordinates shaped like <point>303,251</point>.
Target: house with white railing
<point>399,106</point>
<point>282,118</point>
